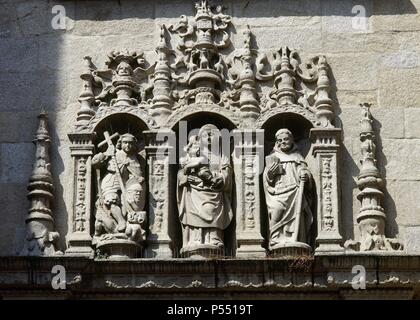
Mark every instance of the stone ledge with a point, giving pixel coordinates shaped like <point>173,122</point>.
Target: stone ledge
<point>316,276</point>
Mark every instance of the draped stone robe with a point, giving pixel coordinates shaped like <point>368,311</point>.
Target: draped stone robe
<point>282,194</point>
<point>201,205</point>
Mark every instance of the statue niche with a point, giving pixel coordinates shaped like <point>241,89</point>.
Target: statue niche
<point>287,184</point>
<point>119,218</point>
<point>204,189</point>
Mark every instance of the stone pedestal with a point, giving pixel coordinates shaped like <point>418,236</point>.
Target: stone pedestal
<point>79,240</point>
<point>116,249</point>
<point>159,148</point>
<point>202,251</point>
<point>248,164</point>
<point>325,148</point>
<point>290,249</point>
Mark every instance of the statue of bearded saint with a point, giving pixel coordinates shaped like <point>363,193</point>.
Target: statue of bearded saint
<point>121,196</point>
<point>204,193</point>
<point>287,182</point>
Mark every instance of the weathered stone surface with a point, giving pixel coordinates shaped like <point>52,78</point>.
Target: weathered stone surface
<point>275,38</point>
<point>20,86</point>
<point>13,231</point>
<point>9,121</point>
<point>16,162</point>
<point>33,17</point>
<point>349,170</point>
<point>396,16</point>
<point>398,159</point>
<point>284,14</point>
<point>113,18</point>
<point>17,52</point>
<point>8,26</point>
<point>412,239</point>
<point>405,95</point>
<point>346,16</point>
<point>385,122</point>
<point>51,53</point>
<point>364,65</point>
<point>352,99</point>
<point>401,203</point>
<point>411,123</point>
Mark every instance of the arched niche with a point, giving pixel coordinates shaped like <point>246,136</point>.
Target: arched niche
<point>296,123</point>
<point>212,110</point>
<point>121,123</point>
<point>110,241</point>
<point>188,123</point>
<point>300,126</point>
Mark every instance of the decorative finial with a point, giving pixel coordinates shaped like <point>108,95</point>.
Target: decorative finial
<point>41,238</point>
<point>372,217</point>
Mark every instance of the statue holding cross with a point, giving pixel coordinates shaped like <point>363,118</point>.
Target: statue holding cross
<point>121,188</point>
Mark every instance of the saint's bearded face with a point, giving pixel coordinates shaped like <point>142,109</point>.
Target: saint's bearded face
<point>284,142</point>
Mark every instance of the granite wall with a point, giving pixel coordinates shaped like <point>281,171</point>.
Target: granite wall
<point>376,60</point>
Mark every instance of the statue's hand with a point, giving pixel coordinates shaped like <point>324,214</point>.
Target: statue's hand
<point>113,164</point>
<point>218,182</point>
<point>304,175</point>
<point>193,180</point>
<point>98,159</point>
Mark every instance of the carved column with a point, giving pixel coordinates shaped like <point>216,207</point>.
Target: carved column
<point>248,93</point>
<point>248,163</point>
<point>79,239</point>
<point>326,151</point>
<point>162,101</point>
<point>159,150</point>
<point>41,240</point>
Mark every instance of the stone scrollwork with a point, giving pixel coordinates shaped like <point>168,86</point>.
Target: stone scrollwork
<point>125,80</point>
<point>286,69</point>
<point>200,65</point>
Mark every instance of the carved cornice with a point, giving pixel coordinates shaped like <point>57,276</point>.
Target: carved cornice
<point>322,274</point>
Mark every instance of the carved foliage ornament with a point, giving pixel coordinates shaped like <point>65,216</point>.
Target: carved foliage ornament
<point>199,70</point>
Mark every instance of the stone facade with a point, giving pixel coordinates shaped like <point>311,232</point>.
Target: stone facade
<point>341,77</point>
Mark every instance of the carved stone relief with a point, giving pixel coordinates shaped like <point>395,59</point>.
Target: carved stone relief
<point>204,194</point>
<point>286,180</point>
<point>371,218</point>
<point>198,72</point>
<point>41,237</point>
<point>119,209</point>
